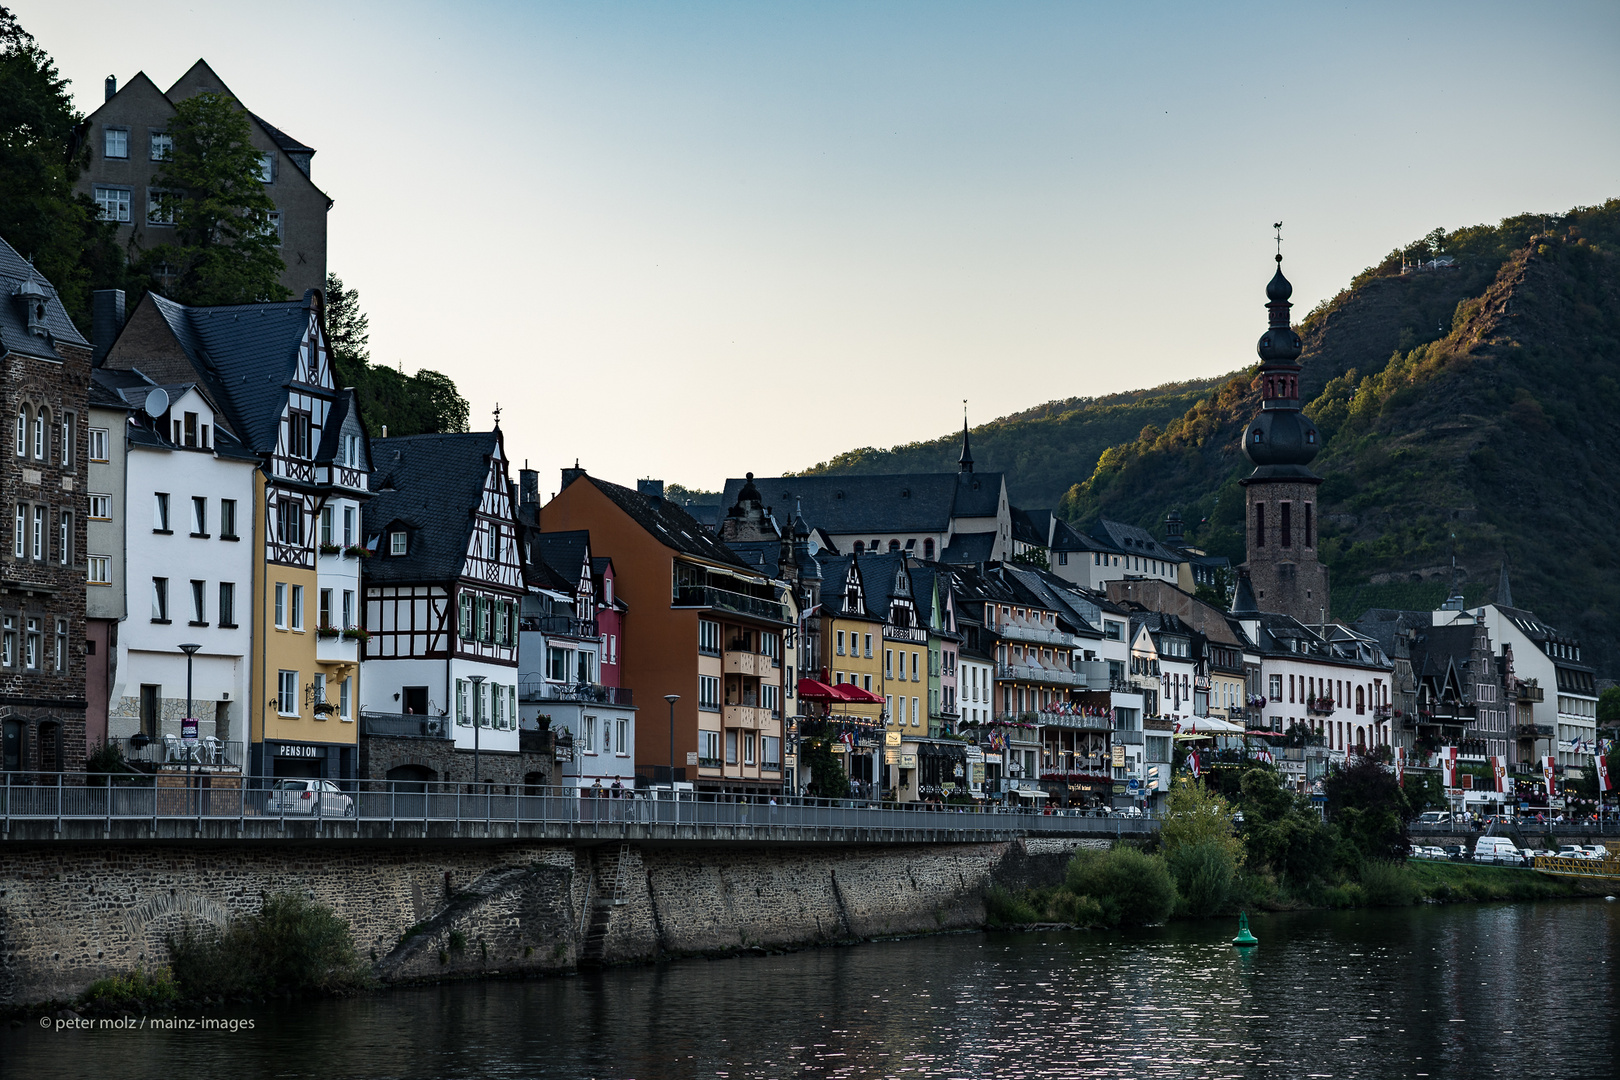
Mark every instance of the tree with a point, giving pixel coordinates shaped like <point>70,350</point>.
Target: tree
<point>1282,831</point>
<point>348,331</point>
<point>1197,815</point>
<point>40,216</point>
<point>1608,708</point>
<point>226,246</point>
<point>1035,556</point>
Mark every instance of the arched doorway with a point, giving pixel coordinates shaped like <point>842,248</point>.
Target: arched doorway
<point>412,777</point>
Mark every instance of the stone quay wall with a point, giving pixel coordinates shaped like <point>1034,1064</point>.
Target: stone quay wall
<point>430,910</point>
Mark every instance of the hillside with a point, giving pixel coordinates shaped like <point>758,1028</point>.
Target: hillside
<point>1464,412</point>
<point>1042,449</point>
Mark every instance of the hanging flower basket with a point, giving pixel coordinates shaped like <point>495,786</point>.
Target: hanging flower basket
<point>355,633</point>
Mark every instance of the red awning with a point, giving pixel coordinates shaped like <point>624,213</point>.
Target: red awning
<point>854,695</point>
<point>811,690</point>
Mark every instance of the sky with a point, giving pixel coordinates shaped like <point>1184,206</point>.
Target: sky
<point>686,241</point>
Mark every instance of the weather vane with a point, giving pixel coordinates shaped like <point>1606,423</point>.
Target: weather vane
<point>1278,226</point>
<point>497,414</point>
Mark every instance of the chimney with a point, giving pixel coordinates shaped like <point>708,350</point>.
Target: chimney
<point>528,487</point>
<point>111,87</point>
<point>106,319</point>
<point>653,489</point>
<point>570,475</point>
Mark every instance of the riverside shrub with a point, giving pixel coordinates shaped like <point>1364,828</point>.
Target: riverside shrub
<point>1130,888</point>
<point>1203,873</point>
<point>1387,884</point>
<point>292,944</point>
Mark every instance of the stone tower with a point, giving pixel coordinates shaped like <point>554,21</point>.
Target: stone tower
<point>1281,492</point>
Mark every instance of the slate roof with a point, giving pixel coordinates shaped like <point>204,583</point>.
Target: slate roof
<point>1049,591</point>
<point>1389,627</point>
<point>916,502</point>
<point>762,555</point>
<point>1066,538</point>
<point>667,523</point>
<point>14,335</point>
<point>835,570</point>
<point>878,574</point>
<point>1025,529</point>
<point>287,143</point>
<point>969,548</point>
<point>563,553</point>
<point>1133,541</point>
<point>433,484</point>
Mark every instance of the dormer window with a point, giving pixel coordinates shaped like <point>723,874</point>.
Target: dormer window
<point>396,542</point>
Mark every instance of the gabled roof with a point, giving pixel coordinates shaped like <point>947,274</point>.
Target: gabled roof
<point>906,502</point>
<point>1025,529</point>
<point>969,548</point>
<point>17,273</point>
<point>838,573</point>
<point>881,574</point>
<point>1133,541</point>
<point>563,553</point>
<point>667,523</point>
<point>433,485</point>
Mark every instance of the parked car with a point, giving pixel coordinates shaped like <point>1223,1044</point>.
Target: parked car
<point>1455,851</point>
<point>1128,812</point>
<point>1496,849</point>
<point>309,797</point>
<point>1434,817</point>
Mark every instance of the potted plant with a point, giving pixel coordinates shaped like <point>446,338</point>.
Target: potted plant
<point>356,633</point>
<point>331,549</point>
<point>355,551</point>
<point>327,630</point>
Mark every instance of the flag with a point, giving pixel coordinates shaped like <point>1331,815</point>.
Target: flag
<point>1400,765</point>
<point>1604,783</point>
<point>1264,755</point>
<point>1448,766</point>
<point>847,738</point>
<point>1547,772</point>
<point>1192,764</point>
<point>1499,767</point>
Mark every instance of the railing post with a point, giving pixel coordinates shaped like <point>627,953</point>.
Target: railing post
<point>59,802</point>
<point>241,803</point>
<point>154,802</point>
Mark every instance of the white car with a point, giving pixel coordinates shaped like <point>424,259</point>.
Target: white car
<point>309,797</point>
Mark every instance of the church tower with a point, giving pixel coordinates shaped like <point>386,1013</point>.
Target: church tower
<point>1282,566</point>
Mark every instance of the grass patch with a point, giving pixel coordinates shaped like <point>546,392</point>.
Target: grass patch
<point>132,992</point>
<point>1452,882</point>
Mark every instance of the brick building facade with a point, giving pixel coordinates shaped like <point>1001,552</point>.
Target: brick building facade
<point>42,568</point>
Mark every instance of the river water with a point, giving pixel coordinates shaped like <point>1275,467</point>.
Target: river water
<point>1526,990</point>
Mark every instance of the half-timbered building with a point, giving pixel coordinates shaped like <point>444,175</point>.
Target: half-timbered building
<point>443,590</point>
<point>267,371</point>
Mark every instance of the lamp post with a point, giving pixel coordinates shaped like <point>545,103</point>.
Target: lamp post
<point>190,649</point>
<point>672,699</point>
<point>478,708</point>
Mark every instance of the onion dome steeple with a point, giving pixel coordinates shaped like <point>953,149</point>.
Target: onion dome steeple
<point>1281,441</point>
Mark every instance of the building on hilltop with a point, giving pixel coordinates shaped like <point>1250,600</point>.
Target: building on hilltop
<point>129,140</point>
<point>1283,566</point>
<point>42,583</point>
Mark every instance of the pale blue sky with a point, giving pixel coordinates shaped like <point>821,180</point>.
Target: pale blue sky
<point>689,240</point>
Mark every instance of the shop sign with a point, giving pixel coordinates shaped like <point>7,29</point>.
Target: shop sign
<point>691,757</point>
<point>908,761</point>
<point>1119,757</point>
<point>791,761</point>
<point>891,738</point>
<point>565,752</point>
<point>840,748</point>
<point>188,728</point>
<point>891,757</point>
<point>992,759</point>
<point>302,750</point>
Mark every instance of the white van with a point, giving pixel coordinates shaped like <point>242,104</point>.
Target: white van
<point>1496,849</point>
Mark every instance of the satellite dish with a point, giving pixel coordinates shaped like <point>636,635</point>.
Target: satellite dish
<point>157,402</point>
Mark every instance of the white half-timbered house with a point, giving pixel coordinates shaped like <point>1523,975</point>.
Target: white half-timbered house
<point>443,589</point>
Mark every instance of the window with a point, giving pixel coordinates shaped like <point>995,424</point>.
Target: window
<point>731,746</point>
<point>160,512</point>
<point>485,632</point>
<point>199,516</point>
<point>869,646</point>
<point>151,707</point>
<point>298,426</point>
<point>287,693</point>
<point>1285,527</point>
<point>290,522</point>
<point>160,599</point>
<point>272,226</point>
<point>159,207</point>
<point>624,738</point>
<point>348,526</point>
<point>345,699</point>
<point>840,643</point>
<point>68,442</point>
<point>227,519</point>
<point>464,617</point>
<point>748,748</point>
<point>267,168</point>
<point>199,603</point>
<point>113,203</point>
<point>1276,688</point>
<point>396,542</point>
<point>227,603</point>
<point>326,526</point>
<point>492,716</point>
<point>101,507</point>
<point>463,714</point>
<point>22,530</point>
<point>708,637</point>
<point>323,615</point>
<point>709,749</point>
<point>98,444</point>
<point>41,419</point>
<point>557,664</point>
<point>1310,527</point>
<point>64,538</point>
<point>770,752</point>
<point>297,612</point>
<point>1259,524</point>
<point>914,713</point>
<point>100,570</point>
<point>709,692</point>
<point>348,609</point>
<point>8,642</point>
<point>161,145</point>
<point>39,533</point>
<point>22,431</point>
<point>281,605</point>
<point>888,664</point>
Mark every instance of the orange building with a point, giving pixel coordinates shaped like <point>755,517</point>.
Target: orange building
<point>701,624</point>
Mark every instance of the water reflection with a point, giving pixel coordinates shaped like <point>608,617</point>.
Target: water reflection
<point>1446,992</point>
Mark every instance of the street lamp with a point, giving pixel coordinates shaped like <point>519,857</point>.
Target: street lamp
<point>478,707</point>
<point>190,649</point>
<point>672,699</point>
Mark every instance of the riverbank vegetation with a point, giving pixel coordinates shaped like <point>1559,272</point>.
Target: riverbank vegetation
<point>1258,846</point>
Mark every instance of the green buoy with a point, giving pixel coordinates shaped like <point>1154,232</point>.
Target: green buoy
<point>1244,939</point>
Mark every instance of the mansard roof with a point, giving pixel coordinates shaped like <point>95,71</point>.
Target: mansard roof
<point>904,502</point>
<point>433,485</point>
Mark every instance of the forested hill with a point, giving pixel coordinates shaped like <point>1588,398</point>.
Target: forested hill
<point>1042,450</point>
<point>1465,412</point>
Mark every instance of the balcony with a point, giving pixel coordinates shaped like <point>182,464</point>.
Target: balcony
<point>745,716</point>
<point>740,662</point>
<point>1021,631</point>
<point>1051,676</point>
<point>337,646</point>
<point>704,596</point>
<point>1529,693</point>
<point>708,763</point>
<point>1075,722</point>
<point>405,725</point>
<point>560,626</point>
<point>1129,738</point>
<point>1382,712</point>
<point>533,689</point>
<point>1533,731</point>
<point>169,752</point>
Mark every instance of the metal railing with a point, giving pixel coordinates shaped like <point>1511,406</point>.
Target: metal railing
<point>725,600</point>
<point>1017,631</point>
<point>536,689</point>
<point>562,625</point>
<point>1026,673</point>
<point>410,725</point>
<point>372,804</point>
<point>170,751</point>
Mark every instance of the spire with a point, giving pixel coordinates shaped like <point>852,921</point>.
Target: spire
<point>965,462</point>
<point>1243,602</point>
<point>1504,592</point>
<point>1281,441</point>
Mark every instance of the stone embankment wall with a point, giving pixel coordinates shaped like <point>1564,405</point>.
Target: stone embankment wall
<point>70,914</point>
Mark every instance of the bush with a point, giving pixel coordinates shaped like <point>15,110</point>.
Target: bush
<point>292,944</point>
<point>134,991</point>
<point>1203,873</point>
<point>1132,889</point>
<point>1197,816</point>
<point>1388,884</point>
<point>1004,908</point>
